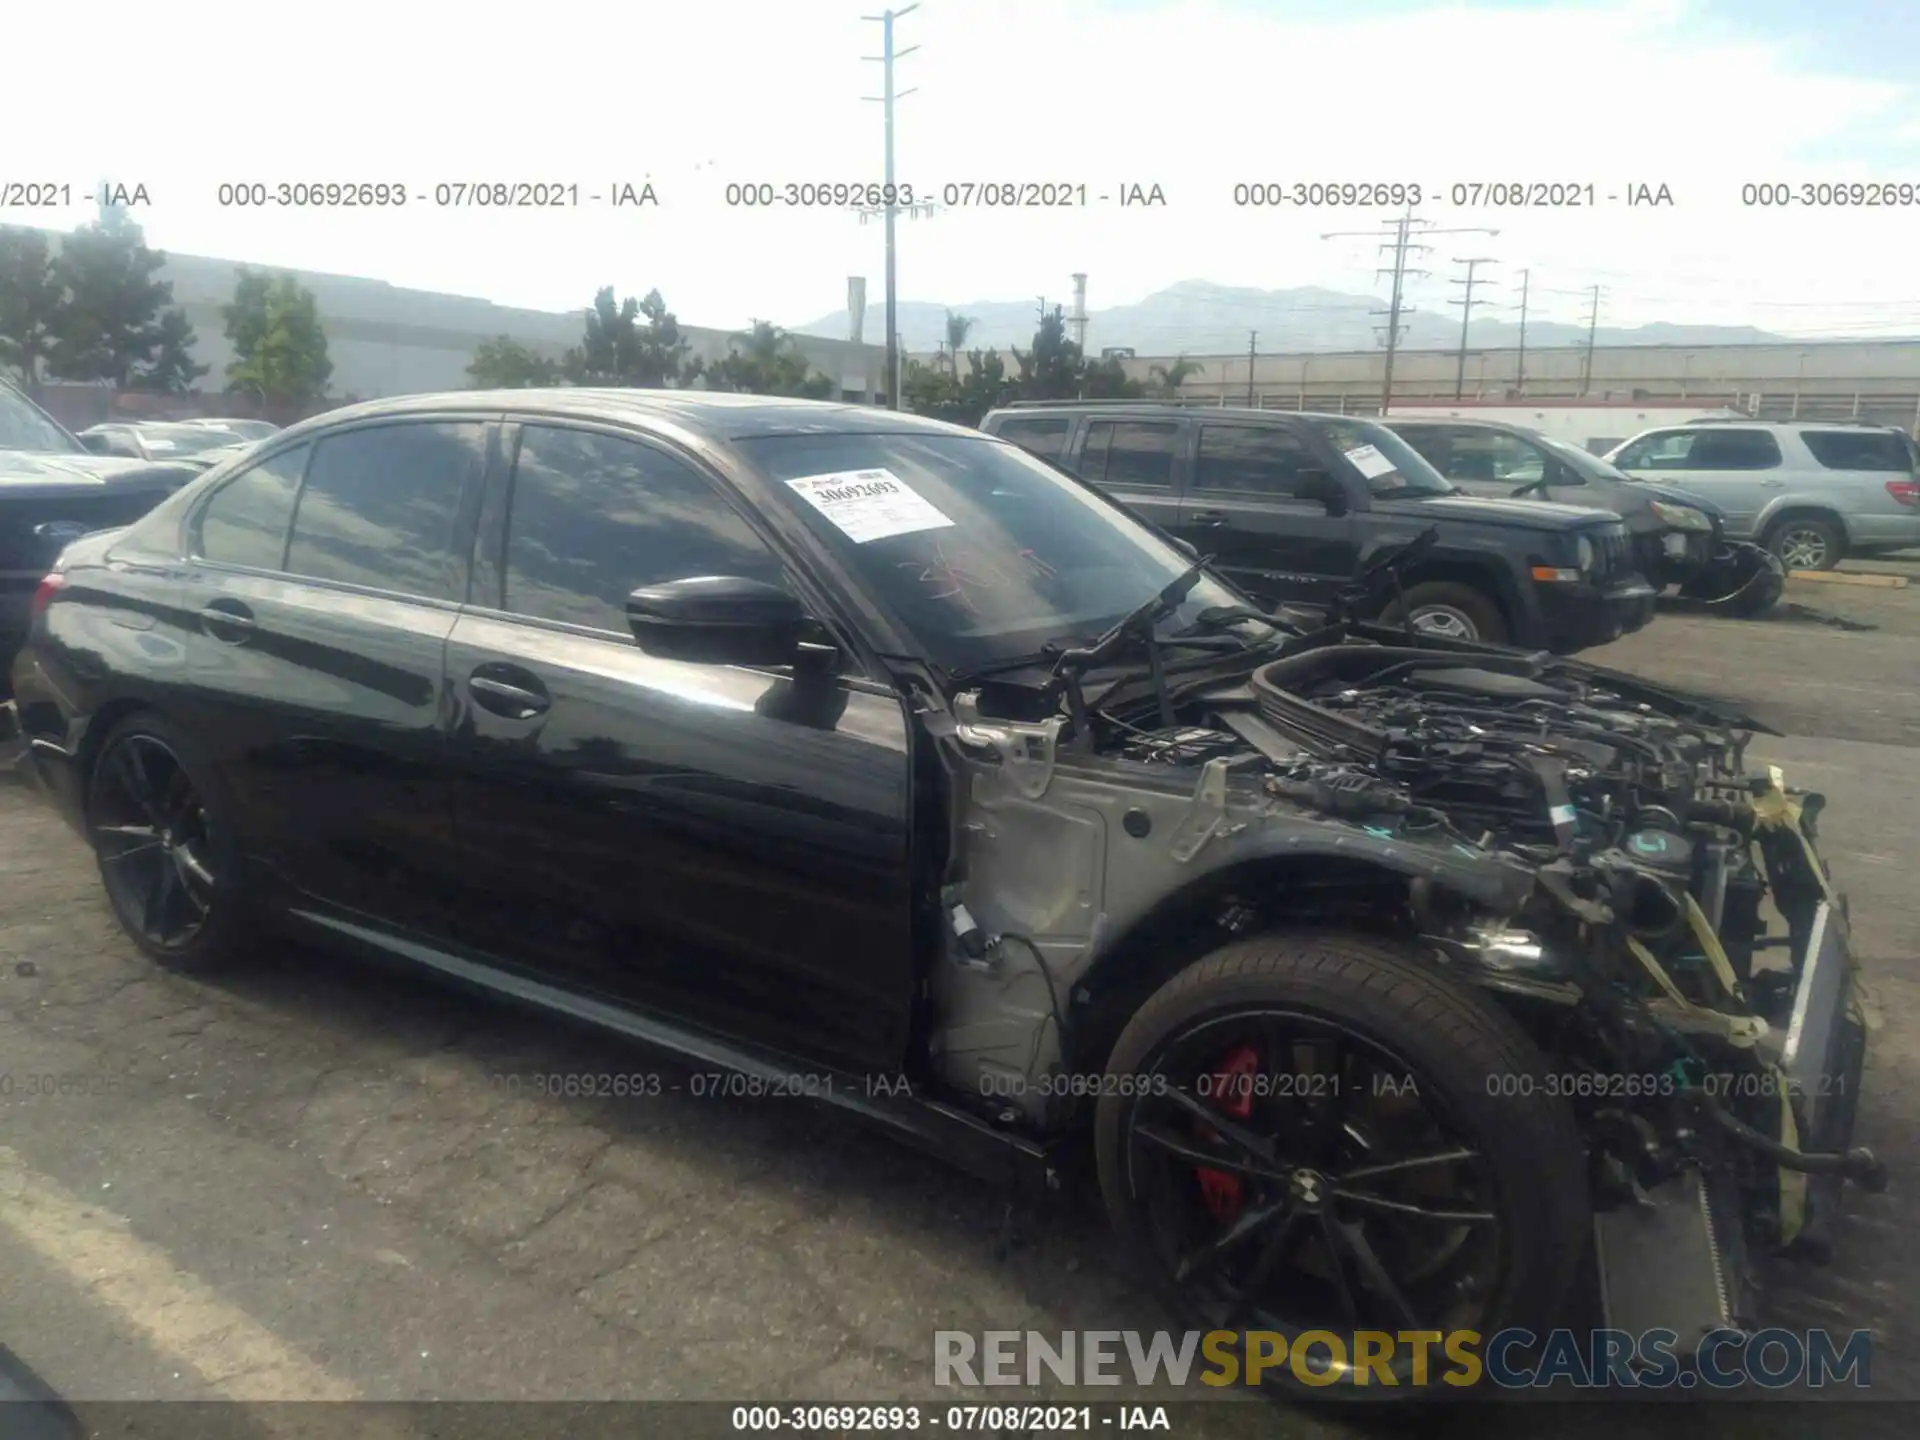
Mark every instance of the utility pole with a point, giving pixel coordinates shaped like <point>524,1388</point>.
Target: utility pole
<point>1400,243</point>
<point>1593,324</point>
<point>1466,313</point>
<point>886,58</point>
<point>1253,337</point>
<point>1520,370</point>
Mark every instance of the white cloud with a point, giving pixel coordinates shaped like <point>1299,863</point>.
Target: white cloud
<point>1193,96</point>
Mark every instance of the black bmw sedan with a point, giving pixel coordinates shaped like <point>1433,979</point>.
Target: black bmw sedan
<point>871,760</point>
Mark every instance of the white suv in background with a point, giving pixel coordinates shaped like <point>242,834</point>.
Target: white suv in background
<point>1813,492</point>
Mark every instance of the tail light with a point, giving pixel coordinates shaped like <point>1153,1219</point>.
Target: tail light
<point>1906,492</point>
<point>43,596</point>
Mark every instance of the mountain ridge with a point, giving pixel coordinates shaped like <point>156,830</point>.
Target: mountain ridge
<point>1198,317</point>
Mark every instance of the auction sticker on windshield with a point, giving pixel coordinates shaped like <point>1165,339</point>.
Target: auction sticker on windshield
<point>869,504</point>
<point>1370,462</point>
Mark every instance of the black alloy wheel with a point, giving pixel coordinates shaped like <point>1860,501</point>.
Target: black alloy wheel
<point>1308,1140</point>
<point>150,830</point>
<point>1297,1178</point>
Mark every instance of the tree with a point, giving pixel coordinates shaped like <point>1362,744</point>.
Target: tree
<point>1054,368</point>
<point>958,328</point>
<point>279,345</point>
<point>766,360</point>
<point>1057,369</point>
<point>505,364</point>
<point>31,302</point>
<point>1107,379</point>
<point>118,323</point>
<point>1168,379</point>
<point>618,350</point>
<point>958,399</point>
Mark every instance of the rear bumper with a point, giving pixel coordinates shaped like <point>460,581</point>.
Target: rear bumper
<point>1884,532</point>
<point>1577,617</point>
<point>13,748</point>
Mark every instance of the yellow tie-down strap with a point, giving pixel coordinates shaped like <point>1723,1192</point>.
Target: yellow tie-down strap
<point>1777,810</point>
<point>1744,1033</point>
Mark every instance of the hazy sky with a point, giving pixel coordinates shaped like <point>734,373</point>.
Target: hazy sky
<point>1192,95</point>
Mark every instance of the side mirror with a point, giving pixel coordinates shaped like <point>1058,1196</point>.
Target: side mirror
<point>97,444</point>
<point>718,620</point>
<point>1320,485</point>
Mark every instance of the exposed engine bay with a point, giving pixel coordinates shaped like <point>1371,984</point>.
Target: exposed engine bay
<point>1596,855</point>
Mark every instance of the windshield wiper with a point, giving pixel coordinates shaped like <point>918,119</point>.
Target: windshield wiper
<point>1137,625</point>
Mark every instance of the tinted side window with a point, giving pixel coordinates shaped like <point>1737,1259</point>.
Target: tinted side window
<point>1045,438</point>
<point>1666,450</point>
<point>1240,459</point>
<point>1492,455</point>
<point>1429,440</point>
<point>1131,453</point>
<point>1859,450</point>
<point>1732,450</point>
<point>595,517</point>
<point>380,504</point>
<point>246,521</point>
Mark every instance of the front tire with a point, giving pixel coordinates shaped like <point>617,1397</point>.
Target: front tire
<point>167,857</point>
<point>1452,611</point>
<point>1315,1131</point>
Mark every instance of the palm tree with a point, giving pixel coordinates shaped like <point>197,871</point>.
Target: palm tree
<point>1169,378</point>
<point>958,328</point>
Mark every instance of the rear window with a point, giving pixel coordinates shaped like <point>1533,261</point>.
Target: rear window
<point>1136,454</point>
<point>1045,438</point>
<point>1860,450</point>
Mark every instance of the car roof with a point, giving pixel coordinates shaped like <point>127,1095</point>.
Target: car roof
<point>715,415</point>
<point>1510,427</point>
<point>1162,408</point>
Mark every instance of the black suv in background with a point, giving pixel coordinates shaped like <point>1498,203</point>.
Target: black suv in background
<point>1291,506</point>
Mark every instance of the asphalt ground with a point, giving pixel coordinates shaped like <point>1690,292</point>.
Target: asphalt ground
<point>320,1180</point>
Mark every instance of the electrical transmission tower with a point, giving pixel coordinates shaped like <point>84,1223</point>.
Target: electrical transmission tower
<point>1398,238</point>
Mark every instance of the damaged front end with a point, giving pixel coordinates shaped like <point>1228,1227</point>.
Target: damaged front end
<point>1594,854</point>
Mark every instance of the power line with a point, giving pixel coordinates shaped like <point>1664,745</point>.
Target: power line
<point>1593,325</point>
<point>1520,366</point>
<point>886,58</point>
<point>1401,245</point>
<point>1466,313</point>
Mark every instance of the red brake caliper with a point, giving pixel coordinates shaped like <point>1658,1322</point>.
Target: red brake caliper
<point>1233,1086</point>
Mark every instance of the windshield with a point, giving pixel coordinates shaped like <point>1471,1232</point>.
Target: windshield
<point>24,426</point>
<point>161,440</point>
<point>1393,469</point>
<point>983,552</point>
<point>241,429</point>
<point>1584,462</point>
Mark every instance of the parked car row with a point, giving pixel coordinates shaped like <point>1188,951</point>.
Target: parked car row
<point>52,491</point>
<point>1813,493</point>
<point>876,759</point>
<point>1291,505</point>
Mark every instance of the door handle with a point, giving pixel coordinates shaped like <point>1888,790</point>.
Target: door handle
<point>228,621</point>
<point>503,697</point>
<point>1207,517</point>
<point>1773,484</point>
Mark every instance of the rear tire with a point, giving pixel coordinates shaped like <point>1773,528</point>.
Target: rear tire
<point>1807,542</point>
<point>1453,610</point>
<point>168,859</point>
<point>1502,1250</point>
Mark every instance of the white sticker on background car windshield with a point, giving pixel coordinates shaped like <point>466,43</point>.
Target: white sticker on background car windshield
<point>1370,462</point>
<point>869,504</point>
